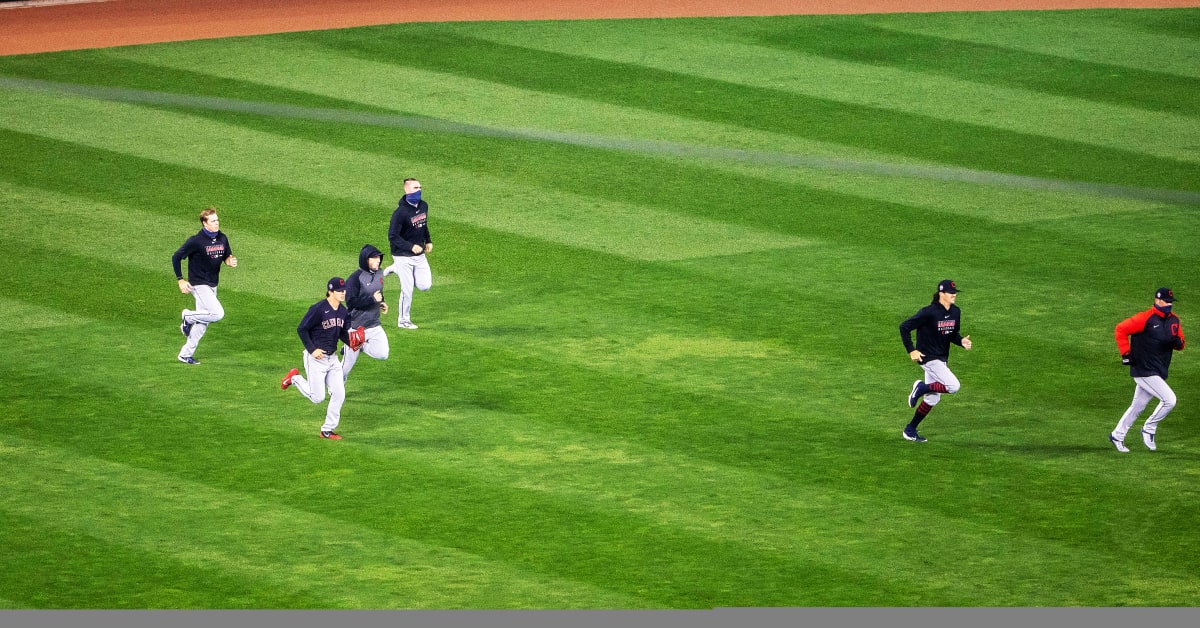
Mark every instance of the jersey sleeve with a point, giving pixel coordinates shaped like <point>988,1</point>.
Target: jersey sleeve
<point>177,258</point>
<point>344,334</point>
<point>353,290</point>
<point>1128,327</point>
<point>304,330</point>
<point>906,329</point>
<point>396,232</point>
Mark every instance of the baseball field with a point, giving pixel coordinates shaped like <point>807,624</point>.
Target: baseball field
<point>659,366</point>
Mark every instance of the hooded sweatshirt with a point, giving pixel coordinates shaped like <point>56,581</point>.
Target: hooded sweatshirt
<point>361,287</point>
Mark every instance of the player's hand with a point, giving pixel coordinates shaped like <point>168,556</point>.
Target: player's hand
<point>383,308</point>
<point>184,286</point>
<point>318,354</point>
<point>966,343</point>
<point>231,261</point>
<point>1126,359</point>
<point>378,296</point>
<point>916,356</point>
<point>428,247</point>
<point>417,250</point>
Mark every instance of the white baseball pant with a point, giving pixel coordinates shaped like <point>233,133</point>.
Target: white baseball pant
<point>376,346</point>
<point>321,373</point>
<point>412,271</point>
<point>208,310</point>
<point>1146,388</point>
<point>937,371</point>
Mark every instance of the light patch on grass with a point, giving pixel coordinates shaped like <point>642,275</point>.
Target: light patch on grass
<point>567,454</point>
<point>612,227</point>
<point>659,349</point>
<point>670,347</point>
<point>16,316</point>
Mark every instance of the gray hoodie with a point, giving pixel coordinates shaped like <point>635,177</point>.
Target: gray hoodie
<point>360,289</point>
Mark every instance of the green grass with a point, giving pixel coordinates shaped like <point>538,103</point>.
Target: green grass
<point>646,377</point>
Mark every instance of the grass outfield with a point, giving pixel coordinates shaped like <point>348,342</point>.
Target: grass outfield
<point>659,366</point>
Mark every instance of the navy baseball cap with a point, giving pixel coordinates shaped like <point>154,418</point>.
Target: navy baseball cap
<point>337,284</point>
<point>1166,294</point>
<point>948,287</point>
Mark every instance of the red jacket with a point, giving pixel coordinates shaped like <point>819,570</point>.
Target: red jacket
<point>1149,338</point>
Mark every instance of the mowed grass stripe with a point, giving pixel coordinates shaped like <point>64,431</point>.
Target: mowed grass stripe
<point>806,82</point>
<point>272,268</point>
<point>53,566</point>
<point>859,42</point>
<point>1117,38</point>
<point>636,83</point>
<point>444,96</point>
<point>653,148</point>
<point>284,161</point>
<point>272,546</point>
<point>1004,205</point>
<point>765,513</point>
<point>753,510</point>
<point>655,252</point>
<point>562,414</point>
<point>563,538</point>
<point>328,73</point>
<point>16,316</point>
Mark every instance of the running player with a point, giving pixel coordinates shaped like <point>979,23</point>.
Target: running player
<point>205,252</point>
<point>364,298</point>
<point>1146,341</point>
<point>937,325</point>
<point>320,329</point>
<point>408,237</point>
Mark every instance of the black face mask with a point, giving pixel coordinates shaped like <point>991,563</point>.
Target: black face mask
<point>1164,309</point>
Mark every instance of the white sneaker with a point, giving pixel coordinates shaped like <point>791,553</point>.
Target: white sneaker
<point>406,325</point>
<point>1118,444</point>
<point>389,270</point>
<point>1148,438</point>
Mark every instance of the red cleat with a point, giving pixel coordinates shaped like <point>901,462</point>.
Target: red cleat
<point>331,435</point>
<point>287,381</point>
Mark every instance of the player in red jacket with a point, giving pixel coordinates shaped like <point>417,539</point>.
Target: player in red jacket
<point>1146,341</point>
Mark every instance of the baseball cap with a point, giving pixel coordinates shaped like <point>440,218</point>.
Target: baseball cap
<point>337,284</point>
<point>1166,294</point>
<point>947,286</point>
